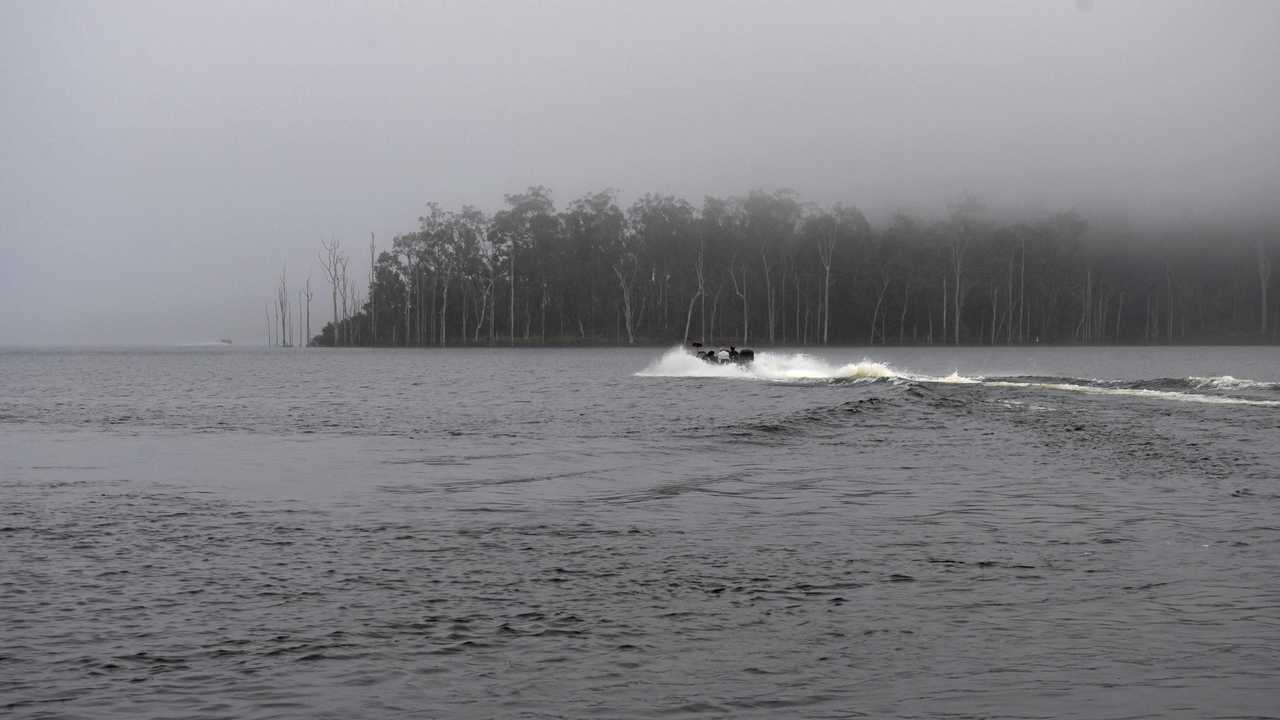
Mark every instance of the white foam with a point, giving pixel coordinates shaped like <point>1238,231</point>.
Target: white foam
<point>774,367</point>
<point>955,378</point>
<point>1136,392</point>
<point>1226,382</point>
<point>799,367</point>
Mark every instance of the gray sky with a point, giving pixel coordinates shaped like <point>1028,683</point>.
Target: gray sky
<point>160,161</point>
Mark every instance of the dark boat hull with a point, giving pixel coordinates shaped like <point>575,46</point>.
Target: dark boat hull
<point>717,357</point>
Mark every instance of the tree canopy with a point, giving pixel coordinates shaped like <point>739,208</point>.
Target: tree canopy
<point>769,269</point>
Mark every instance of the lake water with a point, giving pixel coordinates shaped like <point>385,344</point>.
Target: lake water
<point>239,533</point>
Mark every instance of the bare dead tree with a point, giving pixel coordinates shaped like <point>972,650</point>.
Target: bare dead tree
<point>282,307</point>
<point>306,292</point>
<point>344,283</point>
<point>356,300</point>
<point>331,261</point>
<point>373,306</point>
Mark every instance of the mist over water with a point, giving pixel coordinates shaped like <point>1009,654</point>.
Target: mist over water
<point>629,532</point>
<point>282,124</point>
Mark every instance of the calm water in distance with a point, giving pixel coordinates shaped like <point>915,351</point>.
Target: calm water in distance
<point>252,533</point>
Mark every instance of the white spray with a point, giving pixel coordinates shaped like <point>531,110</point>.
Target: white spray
<point>800,368</point>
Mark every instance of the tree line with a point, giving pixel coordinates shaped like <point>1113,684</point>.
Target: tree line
<point>769,269</point>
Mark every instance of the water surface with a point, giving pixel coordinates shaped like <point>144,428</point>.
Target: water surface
<point>224,532</point>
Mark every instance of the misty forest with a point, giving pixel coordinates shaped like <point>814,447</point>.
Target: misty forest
<point>770,269</point>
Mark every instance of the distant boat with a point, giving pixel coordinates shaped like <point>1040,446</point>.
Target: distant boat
<point>225,341</point>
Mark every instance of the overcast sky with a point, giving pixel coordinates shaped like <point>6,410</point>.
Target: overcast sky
<point>160,161</point>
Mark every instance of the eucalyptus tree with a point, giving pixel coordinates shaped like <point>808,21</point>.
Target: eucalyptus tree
<point>474,253</point>
<point>879,260</point>
<point>719,228</point>
<point>526,226</point>
<point>820,230</point>
<point>389,294</point>
<point>404,252</point>
<point>769,222</point>
<point>437,231</point>
<point>804,276</point>
<point>699,270</point>
<point>666,227</point>
<point>592,250</point>
<point>967,217</point>
<point>848,230</point>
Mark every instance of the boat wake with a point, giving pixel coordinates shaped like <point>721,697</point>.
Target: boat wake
<point>774,367</point>
<point>803,368</point>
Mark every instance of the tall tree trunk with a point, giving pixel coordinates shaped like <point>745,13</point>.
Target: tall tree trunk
<point>444,309</point>
<point>957,266</point>
<point>625,285</point>
<point>944,309</point>
<point>307,293</point>
<point>875,314</point>
<point>373,305</point>
<point>1022,295</point>
<point>802,335</point>
<point>768,292</point>
<point>1264,280</point>
<point>1010,311</point>
<point>826,251</point>
<point>688,316</point>
<point>995,301</point>
<point>513,295</point>
<point>742,293</point>
<point>542,310</point>
<point>1119,313</point>
<point>902,319</point>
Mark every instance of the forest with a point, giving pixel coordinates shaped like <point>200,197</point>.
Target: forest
<point>768,269</point>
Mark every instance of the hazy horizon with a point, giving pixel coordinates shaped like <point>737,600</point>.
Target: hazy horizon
<point>162,162</point>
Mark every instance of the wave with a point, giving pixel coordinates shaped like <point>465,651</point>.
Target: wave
<point>1226,382</point>
<point>800,368</point>
<point>1141,389</point>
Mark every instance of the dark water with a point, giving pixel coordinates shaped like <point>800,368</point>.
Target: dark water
<point>233,533</point>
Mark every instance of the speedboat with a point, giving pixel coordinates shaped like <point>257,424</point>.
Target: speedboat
<point>724,355</point>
